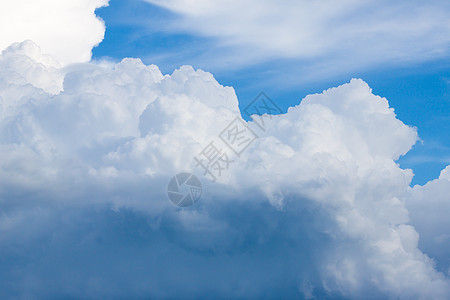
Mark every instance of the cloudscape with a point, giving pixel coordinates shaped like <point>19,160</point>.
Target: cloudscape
<point>122,181</point>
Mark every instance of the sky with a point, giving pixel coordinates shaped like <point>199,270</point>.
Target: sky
<point>337,188</point>
<point>153,33</point>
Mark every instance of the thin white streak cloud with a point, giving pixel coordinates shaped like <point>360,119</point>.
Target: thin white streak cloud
<point>353,34</point>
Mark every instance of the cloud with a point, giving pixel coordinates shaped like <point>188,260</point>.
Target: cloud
<point>426,205</point>
<point>315,207</point>
<point>24,64</point>
<point>323,36</point>
<point>66,29</point>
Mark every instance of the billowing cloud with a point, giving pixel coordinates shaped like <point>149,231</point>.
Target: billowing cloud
<point>428,206</point>
<point>314,207</point>
<point>332,35</point>
<point>67,29</point>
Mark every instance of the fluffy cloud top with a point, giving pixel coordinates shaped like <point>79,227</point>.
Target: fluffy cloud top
<point>315,207</point>
<point>67,29</point>
<point>358,32</point>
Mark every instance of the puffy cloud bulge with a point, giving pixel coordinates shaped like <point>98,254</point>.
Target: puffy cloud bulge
<point>316,207</point>
<point>66,29</point>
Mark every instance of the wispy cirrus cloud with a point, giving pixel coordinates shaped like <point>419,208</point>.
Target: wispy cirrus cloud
<point>343,35</point>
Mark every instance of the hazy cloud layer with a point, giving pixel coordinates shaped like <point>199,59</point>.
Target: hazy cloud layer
<point>314,207</point>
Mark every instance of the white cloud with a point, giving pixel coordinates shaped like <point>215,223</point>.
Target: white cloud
<point>314,207</point>
<point>445,174</point>
<point>334,36</point>
<point>67,29</point>
<point>24,63</point>
<point>428,206</point>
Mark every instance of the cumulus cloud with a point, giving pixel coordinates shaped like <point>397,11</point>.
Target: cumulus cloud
<point>67,29</point>
<point>428,206</point>
<point>334,35</point>
<point>315,207</point>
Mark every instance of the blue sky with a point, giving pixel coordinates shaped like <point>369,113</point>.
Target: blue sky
<point>418,91</point>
